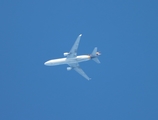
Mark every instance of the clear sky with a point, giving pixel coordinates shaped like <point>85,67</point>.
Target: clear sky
<point>123,86</point>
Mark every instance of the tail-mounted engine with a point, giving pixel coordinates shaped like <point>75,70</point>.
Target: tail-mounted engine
<point>98,53</point>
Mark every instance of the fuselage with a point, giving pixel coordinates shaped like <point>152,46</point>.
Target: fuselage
<point>61,61</point>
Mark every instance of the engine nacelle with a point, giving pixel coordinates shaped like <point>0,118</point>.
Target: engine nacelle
<point>69,68</point>
<point>66,54</point>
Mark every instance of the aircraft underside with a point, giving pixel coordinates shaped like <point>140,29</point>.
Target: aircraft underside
<point>73,60</point>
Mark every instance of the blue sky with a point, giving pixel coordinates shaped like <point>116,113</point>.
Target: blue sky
<point>123,86</point>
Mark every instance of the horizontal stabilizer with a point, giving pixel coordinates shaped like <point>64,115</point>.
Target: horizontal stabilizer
<point>94,52</point>
<point>96,60</point>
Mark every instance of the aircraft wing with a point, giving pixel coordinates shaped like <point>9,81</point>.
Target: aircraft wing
<point>77,68</point>
<point>73,51</point>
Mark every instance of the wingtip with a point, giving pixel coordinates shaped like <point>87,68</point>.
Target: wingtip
<point>89,78</point>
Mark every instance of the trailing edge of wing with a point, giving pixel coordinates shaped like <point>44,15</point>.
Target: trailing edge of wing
<point>73,51</point>
<point>81,72</point>
<point>77,68</point>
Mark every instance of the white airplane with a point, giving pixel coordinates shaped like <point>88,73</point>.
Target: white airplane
<point>73,60</point>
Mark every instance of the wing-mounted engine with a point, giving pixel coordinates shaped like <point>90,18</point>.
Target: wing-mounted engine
<point>66,54</point>
<point>69,68</point>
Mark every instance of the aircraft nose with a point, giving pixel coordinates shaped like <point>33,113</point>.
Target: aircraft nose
<point>46,63</point>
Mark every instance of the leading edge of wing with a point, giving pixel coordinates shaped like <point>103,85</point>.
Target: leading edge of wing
<point>77,68</point>
<point>73,51</point>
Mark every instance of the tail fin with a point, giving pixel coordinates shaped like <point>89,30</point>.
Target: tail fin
<point>94,55</point>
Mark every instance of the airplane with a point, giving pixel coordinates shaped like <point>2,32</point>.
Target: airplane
<point>73,60</point>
